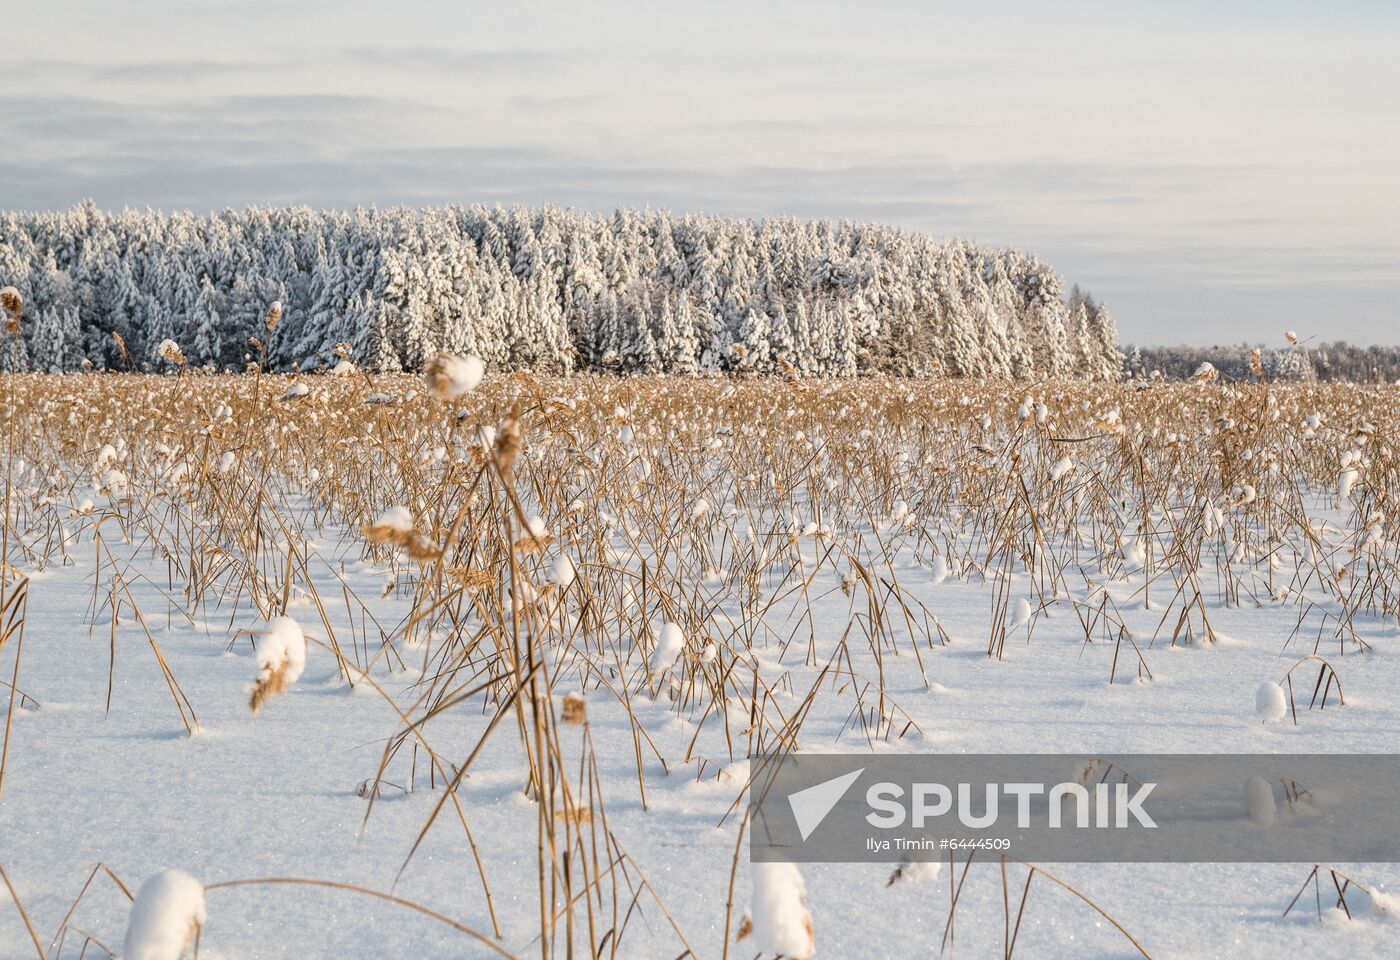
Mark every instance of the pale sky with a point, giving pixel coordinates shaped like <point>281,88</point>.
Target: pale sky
<point>1215,172</point>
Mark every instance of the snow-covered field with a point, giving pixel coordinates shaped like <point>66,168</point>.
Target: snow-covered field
<point>583,616</point>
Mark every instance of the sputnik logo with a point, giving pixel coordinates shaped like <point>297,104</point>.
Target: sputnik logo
<point>811,805</point>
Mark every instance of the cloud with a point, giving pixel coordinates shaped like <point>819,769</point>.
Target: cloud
<point>41,73</point>
<point>461,62</point>
<point>1163,242</point>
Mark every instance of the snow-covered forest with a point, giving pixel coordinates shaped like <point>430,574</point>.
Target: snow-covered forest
<point>548,289</point>
<point>1300,363</point>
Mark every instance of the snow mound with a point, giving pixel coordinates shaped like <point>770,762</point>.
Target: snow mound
<point>1270,703</point>
<point>165,916</point>
<point>1021,613</point>
<point>281,659</point>
<point>1259,798</point>
<point>938,570</point>
<point>562,571</point>
<point>1386,904</point>
<point>669,645</point>
<point>395,520</point>
<point>781,923</point>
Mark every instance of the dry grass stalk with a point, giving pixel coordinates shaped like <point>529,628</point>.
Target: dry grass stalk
<point>509,443</point>
<point>575,708</point>
<point>271,682</point>
<point>471,578</point>
<point>13,306</point>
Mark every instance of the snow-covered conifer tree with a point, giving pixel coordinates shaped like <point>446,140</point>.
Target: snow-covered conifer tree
<point>205,343</point>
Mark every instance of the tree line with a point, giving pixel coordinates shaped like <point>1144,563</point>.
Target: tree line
<point>546,288</point>
<point>1301,362</point>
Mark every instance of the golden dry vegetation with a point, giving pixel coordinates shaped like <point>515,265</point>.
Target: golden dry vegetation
<point>539,536</point>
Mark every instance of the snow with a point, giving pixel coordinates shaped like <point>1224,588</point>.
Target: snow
<point>1020,613</point>
<point>451,377</point>
<point>1346,481</point>
<point>1387,904</point>
<point>165,916</point>
<point>114,483</point>
<point>782,924</point>
<point>281,656</point>
<point>916,872</point>
<point>395,520</point>
<point>562,571</point>
<point>283,647</point>
<point>1270,702</point>
<point>1259,799</point>
<point>169,350</point>
<point>938,570</point>
<point>282,785</point>
<point>669,644</point>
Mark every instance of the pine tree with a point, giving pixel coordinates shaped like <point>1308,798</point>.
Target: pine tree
<point>1136,366</point>
<point>204,341</point>
<point>753,341</point>
<point>641,353</point>
<point>1104,350</point>
<point>46,341</point>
